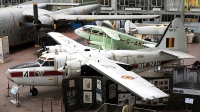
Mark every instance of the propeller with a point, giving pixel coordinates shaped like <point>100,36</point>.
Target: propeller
<point>37,25</point>
<point>62,69</point>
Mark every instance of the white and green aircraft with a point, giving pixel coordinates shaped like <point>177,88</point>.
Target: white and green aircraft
<point>103,37</point>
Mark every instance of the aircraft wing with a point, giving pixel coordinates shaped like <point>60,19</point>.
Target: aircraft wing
<point>178,54</point>
<point>29,12</point>
<point>111,34</point>
<point>58,17</point>
<point>127,79</point>
<point>70,44</point>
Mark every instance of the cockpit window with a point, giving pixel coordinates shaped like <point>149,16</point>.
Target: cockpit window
<point>100,33</point>
<point>48,63</point>
<point>89,29</point>
<point>84,28</point>
<point>95,31</point>
<point>40,61</point>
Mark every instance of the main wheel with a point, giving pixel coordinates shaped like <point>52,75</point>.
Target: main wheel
<point>34,92</point>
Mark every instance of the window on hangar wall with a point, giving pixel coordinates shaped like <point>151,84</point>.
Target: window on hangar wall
<point>167,17</point>
<point>80,1</point>
<point>157,4</point>
<point>191,18</point>
<point>105,2</point>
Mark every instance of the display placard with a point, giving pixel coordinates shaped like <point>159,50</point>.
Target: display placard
<point>14,89</point>
<point>189,100</point>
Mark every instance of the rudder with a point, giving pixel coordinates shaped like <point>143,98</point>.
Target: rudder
<point>174,37</point>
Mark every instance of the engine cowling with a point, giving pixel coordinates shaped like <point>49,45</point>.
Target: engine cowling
<point>45,19</point>
<point>73,68</point>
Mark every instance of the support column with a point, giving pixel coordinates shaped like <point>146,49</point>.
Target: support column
<point>182,12</point>
<point>114,6</point>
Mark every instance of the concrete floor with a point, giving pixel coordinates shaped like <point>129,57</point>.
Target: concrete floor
<point>50,94</point>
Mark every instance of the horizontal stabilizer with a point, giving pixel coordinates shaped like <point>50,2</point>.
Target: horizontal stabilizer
<point>149,45</point>
<point>178,54</point>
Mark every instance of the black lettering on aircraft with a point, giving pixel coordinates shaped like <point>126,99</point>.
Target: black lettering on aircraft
<point>30,35</point>
<point>25,74</point>
<point>23,37</point>
<point>136,43</point>
<point>148,64</point>
<point>128,41</point>
<point>140,43</point>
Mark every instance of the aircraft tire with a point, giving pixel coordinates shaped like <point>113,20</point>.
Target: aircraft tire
<point>34,92</point>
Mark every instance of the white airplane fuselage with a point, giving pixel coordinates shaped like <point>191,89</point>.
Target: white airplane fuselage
<point>151,30</point>
<point>27,74</point>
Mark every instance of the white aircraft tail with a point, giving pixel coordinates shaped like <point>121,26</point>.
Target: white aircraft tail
<point>129,26</point>
<point>174,37</point>
<point>107,24</point>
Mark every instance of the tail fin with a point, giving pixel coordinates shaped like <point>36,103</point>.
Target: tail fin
<point>174,37</point>
<point>107,24</point>
<point>129,26</point>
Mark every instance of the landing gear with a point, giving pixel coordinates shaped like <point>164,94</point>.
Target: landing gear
<point>33,91</point>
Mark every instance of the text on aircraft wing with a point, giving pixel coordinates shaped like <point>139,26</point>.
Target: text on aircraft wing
<point>111,34</point>
<point>70,44</point>
<point>100,17</point>
<point>178,54</point>
<point>127,79</point>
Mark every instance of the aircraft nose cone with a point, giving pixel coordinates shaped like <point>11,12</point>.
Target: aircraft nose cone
<point>77,31</point>
<point>62,70</point>
<point>9,76</point>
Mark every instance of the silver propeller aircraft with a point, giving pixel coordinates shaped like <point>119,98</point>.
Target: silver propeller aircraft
<point>145,30</point>
<point>71,59</point>
<point>34,19</point>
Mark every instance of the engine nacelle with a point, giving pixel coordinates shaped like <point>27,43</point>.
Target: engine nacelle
<point>55,49</point>
<point>73,68</point>
<point>45,19</point>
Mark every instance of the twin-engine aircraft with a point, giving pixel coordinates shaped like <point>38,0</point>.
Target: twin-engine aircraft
<point>35,19</point>
<point>71,59</point>
<point>105,38</point>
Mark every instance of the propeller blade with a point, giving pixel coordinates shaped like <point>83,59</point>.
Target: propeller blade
<point>65,66</point>
<point>37,40</point>
<point>48,26</point>
<point>35,12</point>
<point>25,24</point>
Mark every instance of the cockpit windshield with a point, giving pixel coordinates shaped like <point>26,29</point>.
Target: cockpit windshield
<point>40,61</point>
<point>87,28</point>
<point>84,28</point>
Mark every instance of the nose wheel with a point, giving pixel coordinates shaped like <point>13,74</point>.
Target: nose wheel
<point>33,91</point>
